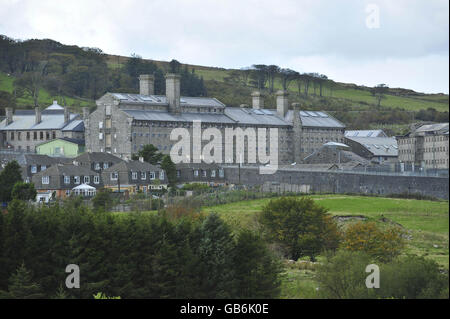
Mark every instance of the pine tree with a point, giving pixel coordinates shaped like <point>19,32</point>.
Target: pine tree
<point>9,176</point>
<point>22,285</point>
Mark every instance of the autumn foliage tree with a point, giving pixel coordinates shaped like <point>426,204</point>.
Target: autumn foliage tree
<point>382,243</point>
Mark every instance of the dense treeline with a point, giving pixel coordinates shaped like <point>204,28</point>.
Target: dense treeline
<point>78,72</point>
<point>137,256</point>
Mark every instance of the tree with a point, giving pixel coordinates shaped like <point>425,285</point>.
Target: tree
<point>24,191</point>
<point>216,251</point>
<point>378,92</point>
<point>22,285</point>
<point>102,200</point>
<point>301,226</point>
<point>382,244</point>
<point>9,176</point>
<point>174,66</point>
<point>150,154</point>
<point>171,170</point>
<point>286,77</point>
<point>257,271</point>
<point>31,82</point>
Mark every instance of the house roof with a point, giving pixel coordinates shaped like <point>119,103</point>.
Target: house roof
<point>378,146</point>
<point>315,119</point>
<point>132,166</point>
<point>126,98</point>
<point>433,128</point>
<point>77,141</point>
<point>365,133</point>
<point>97,157</point>
<point>68,170</point>
<point>84,187</point>
<point>74,126</point>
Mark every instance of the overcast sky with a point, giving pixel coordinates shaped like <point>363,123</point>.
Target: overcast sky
<point>406,46</point>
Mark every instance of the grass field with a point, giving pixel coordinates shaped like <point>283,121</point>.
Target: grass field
<point>427,222</point>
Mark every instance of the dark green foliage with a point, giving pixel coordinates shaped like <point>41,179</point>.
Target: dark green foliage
<point>9,176</point>
<point>132,256</point>
<point>24,191</point>
<point>102,200</point>
<point>171,170</point>
<point>257,272</point>
<point>22,286</point>
<point>409,277</point>
<point>150,154</point>
<point>303,227</point>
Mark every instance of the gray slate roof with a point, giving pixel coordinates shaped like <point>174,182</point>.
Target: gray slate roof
<point>126,98</point>
<point>135,166</point>
<point>68,170</point>
<point>154,115</point>
<point>315,119</point>
<point>365,133</point>
<point>378,146</point>
<point>97,157</point>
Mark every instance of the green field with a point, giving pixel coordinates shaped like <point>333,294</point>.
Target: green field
<point>427,224</point>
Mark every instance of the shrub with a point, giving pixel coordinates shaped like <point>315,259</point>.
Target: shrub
<point>383,244</point>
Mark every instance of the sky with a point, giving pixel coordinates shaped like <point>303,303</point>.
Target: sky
<point>401,43</point>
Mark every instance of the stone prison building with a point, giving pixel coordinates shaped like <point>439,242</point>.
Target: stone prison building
<point>123,123</point>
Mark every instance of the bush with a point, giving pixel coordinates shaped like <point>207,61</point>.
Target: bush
<point>382,244</point>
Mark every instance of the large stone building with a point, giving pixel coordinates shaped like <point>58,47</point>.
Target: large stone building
<point>425,146</point>
<point>123,123</point>
<point>373,145</point>
<point>25,129</point>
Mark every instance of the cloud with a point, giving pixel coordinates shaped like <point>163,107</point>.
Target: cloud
<point>412,37</point>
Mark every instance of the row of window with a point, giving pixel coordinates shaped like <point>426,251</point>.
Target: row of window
<point>142,175</point>
<point>35,135</point>
<point>204,173</point>
<point>76,179</point>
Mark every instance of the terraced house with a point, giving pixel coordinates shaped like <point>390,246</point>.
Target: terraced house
<point>123,123</point>
<point>134,176</point>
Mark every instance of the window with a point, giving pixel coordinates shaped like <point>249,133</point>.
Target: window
<point>134,175</point>
<point>114,176</point>
<point>105,165</point>
<point>213,173</point>
<point>28,136</point>
<point>178,173</point>
<point>33,169</point>
<point>66,179</point>
<point>45,180</point>
<point>43,167</point>
<point>41,135</point>
<point>203,173</point>
<point>53,135</point>
<point>196,173</point>
<point>57,150</point>
<point>19,136</point>
<point>161,175</point>
<point>100,136</point>
<point>143,175</point>
<point>97,166</point>
<point>12,136</point>
<point>87,179</point>
<point>221,173</point>
<point>76,179</point>
<point>96,179</point>
<point>100,125</point>
<point>35,136</point>
<point>152,175</point>
<point>68,192</point>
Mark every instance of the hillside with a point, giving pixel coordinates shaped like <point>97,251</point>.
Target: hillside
<point>78,76</point>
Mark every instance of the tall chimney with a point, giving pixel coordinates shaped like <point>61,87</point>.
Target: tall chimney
<point>257,100</point>
<point>146,84</point>
<point>297,129</point>
<point>173,92</point>
<point>66,115</point>
<point>282,103</point>
<point>85,113</point>
<point>9,115</point>
<point>37,117</point>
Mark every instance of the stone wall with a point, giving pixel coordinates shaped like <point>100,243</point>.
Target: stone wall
<point>343,182</point>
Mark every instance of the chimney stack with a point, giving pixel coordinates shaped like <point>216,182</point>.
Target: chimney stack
<point>9,115</point>
<point>85,113</point>
<point>38,116</point>
<point>173,92</point>
<point>282,103</point>
<point>297,128</point>
<point>257,100</point>
<point>146,84</point>
<point>66,115</point>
